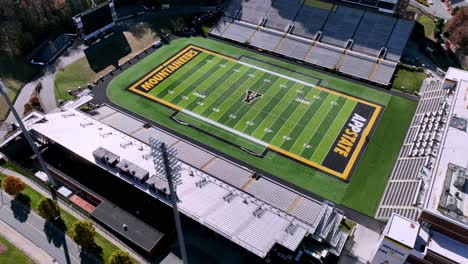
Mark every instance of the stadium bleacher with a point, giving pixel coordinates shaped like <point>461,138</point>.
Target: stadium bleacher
<point>324,55</point>
<point>358,43</point>
<point>266,39</point>
<point>309,21</point>
<point>254,11</point>
<point>282,13</point>
<point>357,65</point>
<point>294,47</point>
<point>239,31</point>
<point>383,71</point>
<point>232,8</point>
<point>411,172</point>
<point>341,25</point>
<point>373,33</point>
<point>400,35</point>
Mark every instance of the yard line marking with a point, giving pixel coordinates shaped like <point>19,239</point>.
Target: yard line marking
<point>182,87</point>
<point>216,98</point>
<point>258,108</point>
<point>313,85</point>
<point>208,83</point>
<point>326,133</point>
<point>225,128</point>
<point>298,124</point>
<point>337,119</point>
<point>279,112</point>
<point>313,130</point>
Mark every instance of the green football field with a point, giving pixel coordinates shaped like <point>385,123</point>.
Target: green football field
<point>267,109</point>
<point>294,114</point>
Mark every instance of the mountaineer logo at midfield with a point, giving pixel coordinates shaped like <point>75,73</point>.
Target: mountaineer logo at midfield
<point>251,96</point>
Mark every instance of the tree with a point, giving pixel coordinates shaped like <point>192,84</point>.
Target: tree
<point>120,257</point>
<point>83,232</point>
<point>457,28</point>
<point>48,208</point>
<point>13,185</point>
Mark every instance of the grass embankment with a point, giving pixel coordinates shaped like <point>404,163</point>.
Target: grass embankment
<point>428,25</point>
<point>14,72</point>
<point>68,219</point>
<point>13,255</point>
<point>102,57</point>
<point>366,181</point>
<point>408,80</point>
<point>320,4</point>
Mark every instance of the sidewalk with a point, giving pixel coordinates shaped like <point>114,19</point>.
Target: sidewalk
<point>37,254</point>
<point>28,224</point>
<point>66,208</point>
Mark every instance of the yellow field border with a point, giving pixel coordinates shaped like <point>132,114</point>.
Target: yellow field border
<point>352,160</point>
<point>357,150</point>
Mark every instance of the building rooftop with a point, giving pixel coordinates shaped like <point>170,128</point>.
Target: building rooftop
<point>448,247</point>
<point>136,231</point>
<point>403,230</point>
<point>448,193</point>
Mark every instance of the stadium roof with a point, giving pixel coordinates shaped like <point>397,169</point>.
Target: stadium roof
<point>237,215</point>
<point>452,160</point>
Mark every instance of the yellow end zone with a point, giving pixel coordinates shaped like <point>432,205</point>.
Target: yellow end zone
<point>352,160</point>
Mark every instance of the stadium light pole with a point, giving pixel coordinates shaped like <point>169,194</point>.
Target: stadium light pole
<point>167,165</point>
<point>26,135</point>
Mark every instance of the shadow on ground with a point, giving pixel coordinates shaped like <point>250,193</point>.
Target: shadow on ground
<point>21,207</point>
<point>107,52</point>
<point>92,255</point>
<point>55,231</point>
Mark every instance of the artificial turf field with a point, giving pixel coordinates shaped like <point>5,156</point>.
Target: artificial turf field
<point>308,123</point>
<point>221,99</point>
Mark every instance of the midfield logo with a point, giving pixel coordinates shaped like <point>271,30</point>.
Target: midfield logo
<point>251,96</point>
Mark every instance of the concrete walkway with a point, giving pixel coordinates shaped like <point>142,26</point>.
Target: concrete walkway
<point>37,254</point>
<point>77,215</point>
<point>47,79</point>
<point>49,238</point>
<point>438,9</point>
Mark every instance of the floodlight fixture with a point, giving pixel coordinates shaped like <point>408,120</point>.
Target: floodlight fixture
<point>167,166</point>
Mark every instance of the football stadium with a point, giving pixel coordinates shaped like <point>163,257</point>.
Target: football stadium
<point>274,129</point>
<point>305,128</point>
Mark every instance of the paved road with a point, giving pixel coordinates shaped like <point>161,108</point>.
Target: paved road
<point>437,9</point>
<point>47,79</point>
<point>66,208</point>
<point>30,225</point>
<point>37,254</point>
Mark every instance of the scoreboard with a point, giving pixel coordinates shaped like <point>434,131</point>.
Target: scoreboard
<point>92,22</point>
